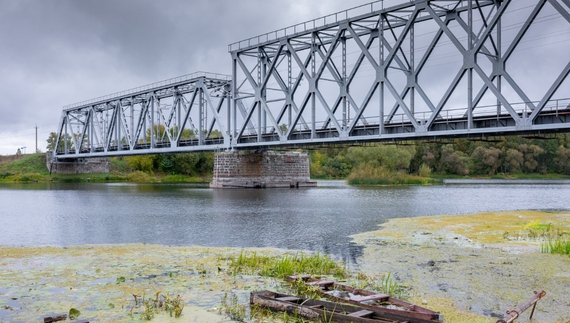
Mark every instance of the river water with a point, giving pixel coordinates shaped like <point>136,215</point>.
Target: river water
<point>319,218</point>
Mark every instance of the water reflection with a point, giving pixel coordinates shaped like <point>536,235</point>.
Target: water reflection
<point>321,218</point>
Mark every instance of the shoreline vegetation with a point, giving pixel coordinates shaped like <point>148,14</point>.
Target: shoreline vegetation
<point>371,164</point>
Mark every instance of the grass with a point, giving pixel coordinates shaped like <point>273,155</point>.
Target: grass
<point>556,245</point>
<point>29,168</point>
<point>287,265</point>
<point>32,168</point>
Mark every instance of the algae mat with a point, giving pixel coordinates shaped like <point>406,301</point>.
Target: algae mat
<point>100,281</point>
<point>483,263</point>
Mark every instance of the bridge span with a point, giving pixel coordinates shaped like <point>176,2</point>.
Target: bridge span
<point>421,69</point>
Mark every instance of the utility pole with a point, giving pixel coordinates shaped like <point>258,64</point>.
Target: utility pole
<point>36,137</point>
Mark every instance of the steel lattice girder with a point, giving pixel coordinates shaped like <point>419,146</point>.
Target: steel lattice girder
<point>306,80</point>
<point>367,73</point>
<point>181,114</point>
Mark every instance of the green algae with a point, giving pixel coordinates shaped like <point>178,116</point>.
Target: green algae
<point>52,280</point>
<point>463,266</point>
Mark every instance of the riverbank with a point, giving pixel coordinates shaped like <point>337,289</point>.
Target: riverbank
<point>463,266</point>
<point>482,263</point>
<point>32,168</point>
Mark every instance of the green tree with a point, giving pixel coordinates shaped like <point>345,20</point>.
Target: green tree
<point>52,139</point>
<point>143,163</point>
<point>530,153</point>
<point>562,160</point>
<point>338,167</point>
<point>186,163</point>
<point>514,161</point>
<point>485,160</point>
<point>391,157</point>
<point>453,162</point>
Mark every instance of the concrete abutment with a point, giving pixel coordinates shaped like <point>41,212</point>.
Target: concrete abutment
<point>77,166</point>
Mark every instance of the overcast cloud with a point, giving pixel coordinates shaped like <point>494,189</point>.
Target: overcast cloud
<point>57,52</point>
<point>54,53</point>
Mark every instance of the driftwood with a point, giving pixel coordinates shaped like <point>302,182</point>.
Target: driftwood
<point>55,318</point>
<point>324,310</point>
<point>358,297</point>
<point>60,317</point>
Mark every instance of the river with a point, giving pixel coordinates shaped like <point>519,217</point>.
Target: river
<point>321,218</point>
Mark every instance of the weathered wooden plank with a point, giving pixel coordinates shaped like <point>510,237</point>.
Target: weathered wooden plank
<point>376,297</point>
<point>258,298</point>
<point>403,310</point>
<point>363,313</point>
<point>322,283</point>
<point>288,298</point>
<point>328,311</point>
<point>55,317</point>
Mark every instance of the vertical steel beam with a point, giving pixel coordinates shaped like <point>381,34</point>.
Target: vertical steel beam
<point>471,57</point>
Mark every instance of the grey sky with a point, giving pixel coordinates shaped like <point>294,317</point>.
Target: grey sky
<point>55,53</point>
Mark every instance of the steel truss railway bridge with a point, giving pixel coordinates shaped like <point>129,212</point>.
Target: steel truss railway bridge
<point>421,69</point>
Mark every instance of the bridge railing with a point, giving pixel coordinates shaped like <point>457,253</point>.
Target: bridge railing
<point>309,25</point>
<point>147,87</point>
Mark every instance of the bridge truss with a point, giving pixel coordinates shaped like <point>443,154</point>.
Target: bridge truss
<point>421,69</point>
<point>368,74</point>
<point>180,114</point>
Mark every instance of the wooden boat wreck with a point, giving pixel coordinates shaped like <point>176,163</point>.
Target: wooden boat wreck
<point>370,300</point>
<point>326,311</point>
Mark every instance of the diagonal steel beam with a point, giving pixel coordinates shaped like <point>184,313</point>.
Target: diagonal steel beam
<point>561,10</point>
<point>362,107</point>
<point>548,96</point>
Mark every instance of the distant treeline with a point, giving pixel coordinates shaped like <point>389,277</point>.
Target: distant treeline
<point>190,164</point>
<point>508,155</point>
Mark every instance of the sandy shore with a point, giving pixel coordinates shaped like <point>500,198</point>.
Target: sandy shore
<point>464,266</point>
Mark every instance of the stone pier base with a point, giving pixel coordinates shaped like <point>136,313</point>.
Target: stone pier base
<point>77,166</point>
<point>269,169</point>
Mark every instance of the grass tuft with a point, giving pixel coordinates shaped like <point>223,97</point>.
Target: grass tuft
<point>287,265</point>
<point>556,245</point>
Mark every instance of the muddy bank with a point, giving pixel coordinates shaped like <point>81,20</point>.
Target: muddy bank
<point>473,265</point>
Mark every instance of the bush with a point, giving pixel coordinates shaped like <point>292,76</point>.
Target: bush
<point>424,171</point>
<point>366,174</point>
<point>138,176</point>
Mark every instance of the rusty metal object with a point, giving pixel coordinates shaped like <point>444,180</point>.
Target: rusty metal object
<point>513,314</point>
<point>360,298</point>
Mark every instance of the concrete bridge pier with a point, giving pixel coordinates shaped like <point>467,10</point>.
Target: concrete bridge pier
<point>267,169</point>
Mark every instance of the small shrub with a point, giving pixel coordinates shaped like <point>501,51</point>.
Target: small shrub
<point>424,171</point>
<point>138,176</point>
